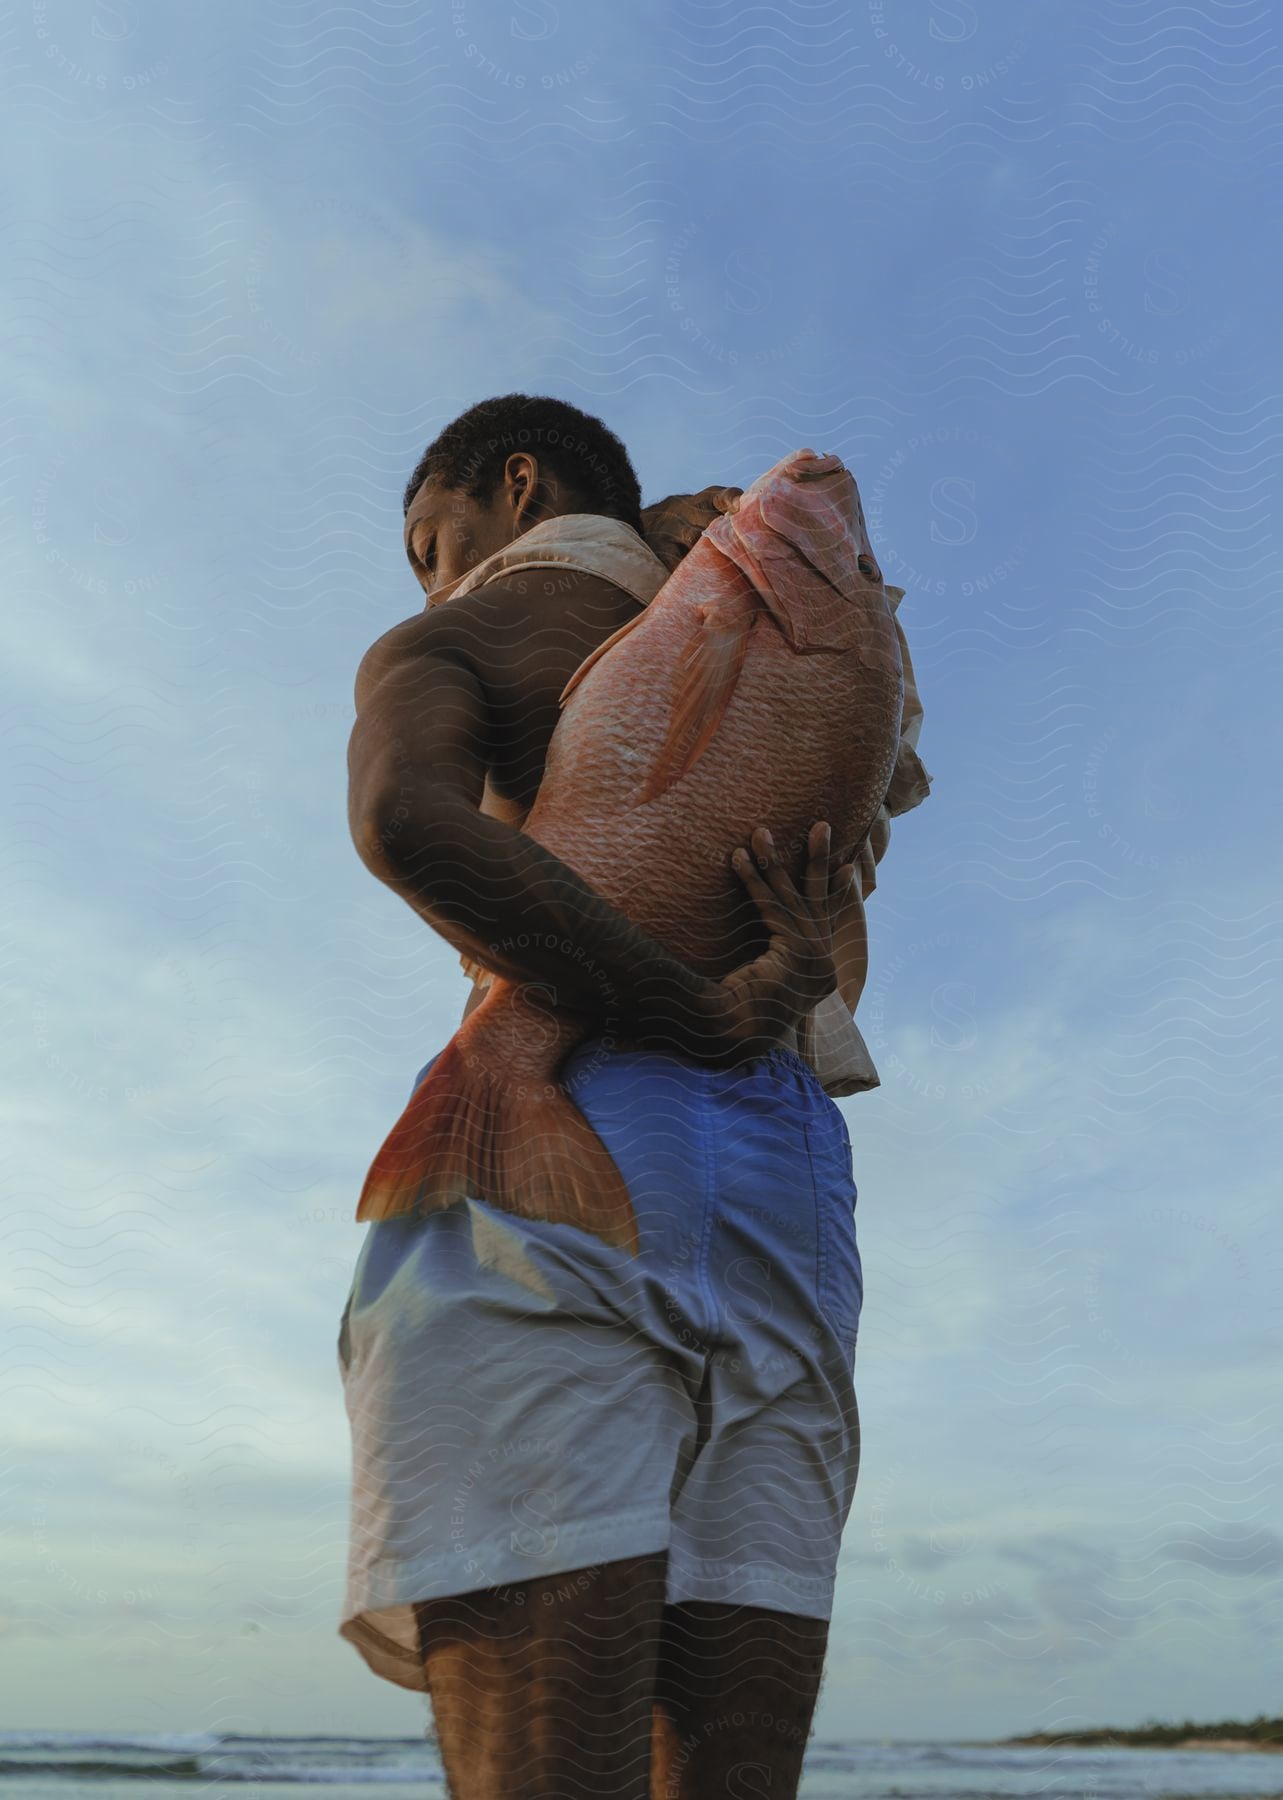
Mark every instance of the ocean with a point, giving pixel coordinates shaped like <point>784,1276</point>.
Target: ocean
<point>104,1766</point>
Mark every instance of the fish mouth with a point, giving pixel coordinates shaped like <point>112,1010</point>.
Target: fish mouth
<point>805,465</point>
<point>798,465</point>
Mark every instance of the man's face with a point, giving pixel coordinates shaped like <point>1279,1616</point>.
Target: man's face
<point>447,533</point>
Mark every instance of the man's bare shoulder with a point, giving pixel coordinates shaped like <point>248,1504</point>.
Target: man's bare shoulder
<point>457,628</point>
<point>499,627</point>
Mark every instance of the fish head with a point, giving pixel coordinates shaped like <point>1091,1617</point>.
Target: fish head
<point>799,534</point>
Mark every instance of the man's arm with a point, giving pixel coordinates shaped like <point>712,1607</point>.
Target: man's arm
<point>417,764</point>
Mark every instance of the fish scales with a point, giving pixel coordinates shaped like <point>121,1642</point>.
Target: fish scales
<point>788,723</point>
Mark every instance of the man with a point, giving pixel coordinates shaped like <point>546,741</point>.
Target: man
<point>666,1446</point>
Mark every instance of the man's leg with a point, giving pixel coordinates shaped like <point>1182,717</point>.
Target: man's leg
<point>735,1693</point>
<point>544,1690</point>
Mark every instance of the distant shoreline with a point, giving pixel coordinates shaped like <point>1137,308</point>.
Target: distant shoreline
<point>1233,1735</point>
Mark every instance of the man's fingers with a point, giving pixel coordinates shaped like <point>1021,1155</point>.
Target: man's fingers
<point>816,880</point>
<point>773,870</point>
<point>760,892</point>
<point>811,903</point>
<point>783,910</point>
<point>796,915</point>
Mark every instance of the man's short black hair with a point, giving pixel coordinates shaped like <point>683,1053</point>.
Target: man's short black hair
<point>570,445</point>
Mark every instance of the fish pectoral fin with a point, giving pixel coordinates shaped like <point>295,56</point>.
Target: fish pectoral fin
<point>702,688</point>
<point>595,656</point>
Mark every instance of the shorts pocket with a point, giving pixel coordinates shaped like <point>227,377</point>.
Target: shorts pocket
<point>839,1273</point>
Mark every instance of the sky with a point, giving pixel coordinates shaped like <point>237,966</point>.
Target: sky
<point>1012,262</point>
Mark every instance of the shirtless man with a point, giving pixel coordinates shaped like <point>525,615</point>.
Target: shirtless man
<point>618,1672</point>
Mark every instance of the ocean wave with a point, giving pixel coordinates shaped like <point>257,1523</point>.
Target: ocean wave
<point>213,1757</point>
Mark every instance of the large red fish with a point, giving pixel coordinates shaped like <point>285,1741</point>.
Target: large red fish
<point>763,683</point>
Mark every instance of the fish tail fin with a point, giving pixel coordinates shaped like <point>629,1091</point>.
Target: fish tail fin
<point>474,1129</point>
<point>703,686</point>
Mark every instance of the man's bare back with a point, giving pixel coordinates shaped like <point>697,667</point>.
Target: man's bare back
<point>520,638</point>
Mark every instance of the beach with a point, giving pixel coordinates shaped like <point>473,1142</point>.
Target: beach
<point>1232,1746</point>
<point>111,1766</point>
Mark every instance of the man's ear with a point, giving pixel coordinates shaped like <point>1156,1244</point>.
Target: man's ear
<point>521,480</point>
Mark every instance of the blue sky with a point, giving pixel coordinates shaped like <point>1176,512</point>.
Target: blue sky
<point>1012,262</point>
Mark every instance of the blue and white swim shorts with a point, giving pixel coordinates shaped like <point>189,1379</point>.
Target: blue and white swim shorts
<point>526,1400</point>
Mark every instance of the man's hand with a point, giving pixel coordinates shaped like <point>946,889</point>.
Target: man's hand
<point>760,1002</point>
<point>672,527</point>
